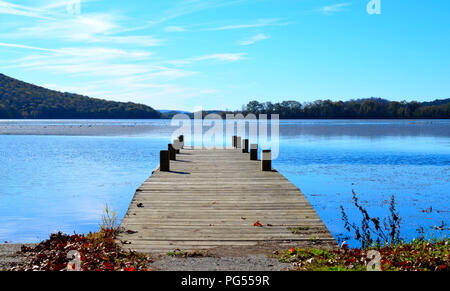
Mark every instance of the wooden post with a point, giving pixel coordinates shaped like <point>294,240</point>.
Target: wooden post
<point>266,161</point>
<point>238,142</point>
<point>177,145</point>
<point>164,161</point>
<point>181,140</point>
<point>245,146</point>
<point>172,153</point>
<point>254,152</point>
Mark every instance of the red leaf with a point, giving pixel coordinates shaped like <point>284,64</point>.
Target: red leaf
<point>258,224</point>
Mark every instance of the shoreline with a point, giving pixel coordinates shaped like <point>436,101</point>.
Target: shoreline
<point>158,128</point>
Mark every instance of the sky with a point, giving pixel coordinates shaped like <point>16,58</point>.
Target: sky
<point>221,54</point>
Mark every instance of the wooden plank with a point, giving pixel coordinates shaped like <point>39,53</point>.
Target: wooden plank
<point>212,198</point>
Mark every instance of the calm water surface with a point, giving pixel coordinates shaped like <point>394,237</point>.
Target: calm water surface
<point>58,175</point>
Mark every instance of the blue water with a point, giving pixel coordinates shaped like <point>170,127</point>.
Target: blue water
<point>54,183</point>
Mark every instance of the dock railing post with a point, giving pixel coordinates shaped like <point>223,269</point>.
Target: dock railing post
<point>172,153</point>
<point>245,146</point>
<point>164,161</point>
<point>177,145</point>
<point>266,161</point>
<point>234,141</point>
<point>238,142</point>
<point>254,152</point>
<point>181,140</point>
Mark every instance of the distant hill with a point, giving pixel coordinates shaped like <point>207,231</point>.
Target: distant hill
<point>436,102</point>
<point>169,114</point>
<point>20,100</point>
<point>373,99</point>
<point>174,111</point>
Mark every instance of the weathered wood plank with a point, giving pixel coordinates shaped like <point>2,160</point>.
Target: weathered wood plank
<point>212,198</point>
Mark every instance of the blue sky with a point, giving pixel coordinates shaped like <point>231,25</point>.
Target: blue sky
<point>221,54</point>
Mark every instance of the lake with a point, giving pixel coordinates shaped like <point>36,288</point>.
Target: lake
<point>58,175</point>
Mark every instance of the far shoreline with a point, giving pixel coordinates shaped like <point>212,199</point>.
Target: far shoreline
<point>152,127</point>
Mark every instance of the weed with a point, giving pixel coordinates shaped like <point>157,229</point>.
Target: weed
<point>298,230</point>
<point>175,253</point>
<point>373,230</point>
<point>109,221</point>
<point>413,256</point>
<point>184,254</point>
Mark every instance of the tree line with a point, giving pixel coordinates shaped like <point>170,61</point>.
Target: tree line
<point>373,108</point>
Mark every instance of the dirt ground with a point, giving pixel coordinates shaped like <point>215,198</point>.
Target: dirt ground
<point>262,257</point>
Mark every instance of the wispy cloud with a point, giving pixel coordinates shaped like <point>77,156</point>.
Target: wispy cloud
<point>90,28</point>
<point>92,61</point>
<point>20,10</point>
<point>220,57</point>
<point>253,39</point>
<point>174,29</point>
<point>183,8</point>
<point>63,20</point>
<point>81,27</point>
<point>14,45</point>
<point>66,4</point>
<point>50,10</point>
<point>186,7</point>
<point>258,23</point>
<point>334,8</point>
<point>227,57</point>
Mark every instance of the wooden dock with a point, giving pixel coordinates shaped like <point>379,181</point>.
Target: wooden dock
<point>212,199</point>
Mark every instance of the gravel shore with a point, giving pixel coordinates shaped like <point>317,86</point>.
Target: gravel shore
<point>249,263</point>
<point>9,255</point>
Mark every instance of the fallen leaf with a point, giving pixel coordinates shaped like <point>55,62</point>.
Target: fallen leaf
<point>258,224</point>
